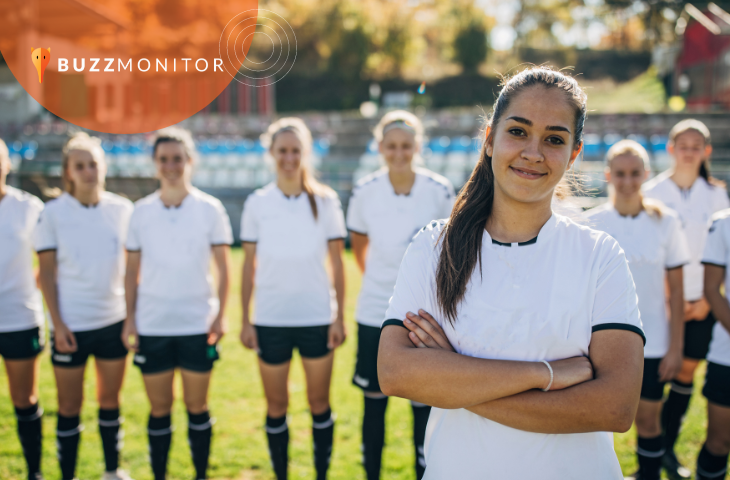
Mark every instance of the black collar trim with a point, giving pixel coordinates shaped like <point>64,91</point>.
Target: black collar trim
<point>520,244</point>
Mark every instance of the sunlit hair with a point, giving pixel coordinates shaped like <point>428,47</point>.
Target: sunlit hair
<point>175,134</point>
<point>4,152</point>
<point>693,125</point>
<point>80,141</point>
<point>462,236</point>
<point>295,125</point>
<point>399,119</point>
<point>628,147</point>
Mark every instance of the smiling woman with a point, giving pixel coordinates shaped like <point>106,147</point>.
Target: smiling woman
<point>513,299</point>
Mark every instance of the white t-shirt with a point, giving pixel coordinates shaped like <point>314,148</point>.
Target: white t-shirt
<point>652,245</point>
<point>21,307</point>
<point>175,295</point>
<point>292,285</point>
<point>537,300</point>
<point>89,244</point>
<point>390,221</point>
<point>695,208</point>
<point>717,252</point>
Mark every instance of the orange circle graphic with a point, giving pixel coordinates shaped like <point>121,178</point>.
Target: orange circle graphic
<point>125,66</point>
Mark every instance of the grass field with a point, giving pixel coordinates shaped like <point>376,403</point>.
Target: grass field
<point>236,399</point>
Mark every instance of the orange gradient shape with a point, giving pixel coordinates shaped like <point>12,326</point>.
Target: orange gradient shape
<point>40,57</point>
<point>125,66</point>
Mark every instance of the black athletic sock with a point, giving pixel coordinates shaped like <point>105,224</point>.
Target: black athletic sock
<point>200,432</point>
<point>420,420</point>
<point>277,432</point>
<point>711,467</point>
<point>68,434</point>
<point>30,434</point>
<point>111,437</point>
<point>650,452</point>
<point>373,436</point>
<point>323,429</point>
<point>673,412</point>
<point>159,432</point>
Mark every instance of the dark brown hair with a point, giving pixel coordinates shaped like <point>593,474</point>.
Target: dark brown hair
<point>462,236</point>
<point>693,125</point>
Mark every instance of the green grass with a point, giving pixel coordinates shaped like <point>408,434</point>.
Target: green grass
<point>236,399</point>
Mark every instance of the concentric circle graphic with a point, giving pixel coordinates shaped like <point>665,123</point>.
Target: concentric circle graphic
<point>237,38</point>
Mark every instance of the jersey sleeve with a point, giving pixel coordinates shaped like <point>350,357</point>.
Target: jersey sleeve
<point>249,222</point>
<point>355,219</point>
<point>715,246</point>
<point>677,249</point>
<point>721,200</point>
<point>221,233</point>
<point>615,306</point>
<point>44,234</point>
<point>335,219</point>
<point>415,287</point>
<point>133,243</point>
<point>448,203</point>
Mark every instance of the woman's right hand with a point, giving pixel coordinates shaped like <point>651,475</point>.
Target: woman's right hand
<point>568,372</point>
<point>249,339</point>
<point>64,341</point>
<point>130,337</point>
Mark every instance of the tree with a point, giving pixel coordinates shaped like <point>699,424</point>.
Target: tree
<point>470,46</point>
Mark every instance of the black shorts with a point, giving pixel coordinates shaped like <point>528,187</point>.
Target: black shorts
<point>651,388</point>
<point>105,343</point>
<point>717,384</point>
<point>697,337</point>
<point>366,368</point>
<point>190,352</point>
<point>21,344</point>
<point>276,344</point>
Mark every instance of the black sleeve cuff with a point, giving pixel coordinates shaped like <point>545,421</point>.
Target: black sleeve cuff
<point>224,244</point>
<point>335,239</point>
<point>621,326</point>
<point>53,249</point>
<point>249,241</point>
<point>677,266</point>
<point>714,264</point>
<point>134,250</point>
<point>392,321</point>
<point>359,233</point>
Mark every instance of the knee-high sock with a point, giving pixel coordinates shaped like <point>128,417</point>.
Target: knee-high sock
<point>373,435</point>
<point>68,433</point>
<point>420,420</point>
<point>323,429</point>
<point>711,467</point>
<point>111,435</point>
<point>277,432</point>
<point>673,411</point>
<point>650,452</point>
<point>200,432</point>
<point>159,432</point>
<point>30,434</point>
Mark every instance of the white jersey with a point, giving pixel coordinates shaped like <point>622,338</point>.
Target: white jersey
<point>21,307</point>
<point>717,252</point>
<point>536,300</point>
<point>175,295</point>
<point>292,285</point>
<point>652,245</point>
<point>694,207</point>
<point>89,245</point>
<point>390,221</point>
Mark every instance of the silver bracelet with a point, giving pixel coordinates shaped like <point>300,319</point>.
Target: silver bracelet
<point>551,376</point>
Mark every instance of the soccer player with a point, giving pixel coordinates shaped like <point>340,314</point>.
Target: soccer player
<point>689,189</point>
<point>174,316</point>
<point>288,229</point>
<point>506,298</point>
<point>652,239</point>
<point>21,312</point>
<point>80,243</point>
<point>385,211</point>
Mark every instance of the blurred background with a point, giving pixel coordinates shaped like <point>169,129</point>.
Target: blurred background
<point>645,65</point>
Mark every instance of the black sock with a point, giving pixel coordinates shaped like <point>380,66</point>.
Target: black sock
<point>373,435</point>
<point>673,412</point>
<point>323,429</point>
<point>200,432</point>
<point>111,437</point>
<point>420,420</point>
<point>68,434</point>
<point>159,432</point>
<point>650,452</point>
<point>277,432</point>
<point>30,434</point>
<point>711,467</point>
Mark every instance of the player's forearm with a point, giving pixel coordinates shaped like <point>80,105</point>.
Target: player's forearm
<point>47,280</point>
<point>676,313</point>
<point>247,290</point>
<point>719,305</point>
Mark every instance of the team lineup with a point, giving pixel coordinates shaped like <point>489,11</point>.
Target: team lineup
<point>523,331</point>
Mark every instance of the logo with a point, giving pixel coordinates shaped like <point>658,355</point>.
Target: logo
<point>140,358</point>
<point>40,57</point>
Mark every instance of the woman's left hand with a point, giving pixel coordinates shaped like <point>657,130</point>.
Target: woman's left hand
<point>217,329</point>
<point>670,365</point>
<point>425,332</point>
<point>336,334</point>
